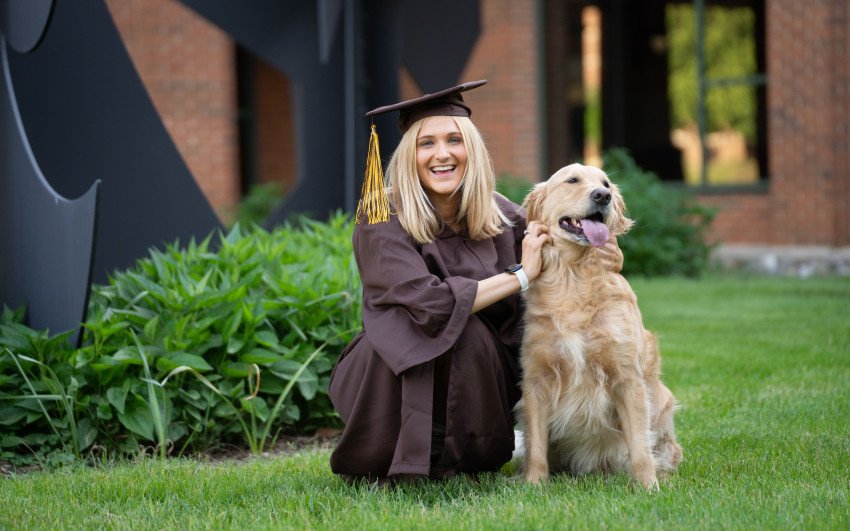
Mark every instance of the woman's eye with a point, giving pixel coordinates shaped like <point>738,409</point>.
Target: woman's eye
<point>455,140</point>
<point>425,143</point>
<point>572,180</point>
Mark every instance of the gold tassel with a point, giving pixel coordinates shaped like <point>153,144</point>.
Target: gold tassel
<point>374,204</point>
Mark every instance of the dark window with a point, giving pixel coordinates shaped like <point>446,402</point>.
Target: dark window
<point>716,88</point>
<point>628,74</point>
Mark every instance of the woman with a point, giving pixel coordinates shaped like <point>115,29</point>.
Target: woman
<point>428,387</point>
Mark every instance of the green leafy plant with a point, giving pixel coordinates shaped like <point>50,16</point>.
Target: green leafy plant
<point>513,187</point>
<point>258,203</point>
<point>245,336</point>
<point>669,236</point>
<point>158,415</point>
<point>58,393</point>
<point>39,402</point>
<point>264,302</point>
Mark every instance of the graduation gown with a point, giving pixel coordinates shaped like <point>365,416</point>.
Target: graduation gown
<point>424,360</point>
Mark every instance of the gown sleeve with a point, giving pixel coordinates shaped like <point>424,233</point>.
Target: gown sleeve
<point>410,315</point>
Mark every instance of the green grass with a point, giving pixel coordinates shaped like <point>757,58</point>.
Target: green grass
<point>761,367</point>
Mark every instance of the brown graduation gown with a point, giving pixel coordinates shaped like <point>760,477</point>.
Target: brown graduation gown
<point>422,346</point>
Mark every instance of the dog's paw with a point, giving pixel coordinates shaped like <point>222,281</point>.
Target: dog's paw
<point>536,477</point>
<point>643,472</point>
<point>668,455</point>
<point>652,485</point>
<point>648,480</point>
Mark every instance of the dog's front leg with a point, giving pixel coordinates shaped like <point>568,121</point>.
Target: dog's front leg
<point>632,405</point>
<point>536,417</point>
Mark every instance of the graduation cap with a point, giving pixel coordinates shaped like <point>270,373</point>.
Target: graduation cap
<point>374,205</point>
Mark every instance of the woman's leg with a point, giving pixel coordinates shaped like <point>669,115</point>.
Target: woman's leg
<point>481,393</point>
<point>367,396</point>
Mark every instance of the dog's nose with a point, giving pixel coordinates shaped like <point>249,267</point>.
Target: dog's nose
<point>601,196</point>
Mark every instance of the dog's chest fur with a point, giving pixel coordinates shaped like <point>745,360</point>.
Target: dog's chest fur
<point>587,348</point>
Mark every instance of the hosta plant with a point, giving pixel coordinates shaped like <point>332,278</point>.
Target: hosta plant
<point>196,347</point>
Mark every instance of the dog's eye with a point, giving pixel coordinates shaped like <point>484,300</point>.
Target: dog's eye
<point>606,184</point>
<point>572,180</point>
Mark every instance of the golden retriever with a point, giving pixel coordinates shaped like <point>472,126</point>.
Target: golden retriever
<point>592,400</point>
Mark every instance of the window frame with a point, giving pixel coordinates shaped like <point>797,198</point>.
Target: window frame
<point>704,83</point>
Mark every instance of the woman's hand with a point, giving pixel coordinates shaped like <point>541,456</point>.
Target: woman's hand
<point>536,236</point>
<point>612,256</point>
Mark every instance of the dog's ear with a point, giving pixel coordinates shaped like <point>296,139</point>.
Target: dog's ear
<point>621,224</point>
<point>534,202</point>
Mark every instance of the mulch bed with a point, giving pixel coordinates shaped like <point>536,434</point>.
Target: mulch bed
<point>286,445</point>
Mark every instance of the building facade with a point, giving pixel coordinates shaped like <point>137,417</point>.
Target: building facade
<point>567,79</point>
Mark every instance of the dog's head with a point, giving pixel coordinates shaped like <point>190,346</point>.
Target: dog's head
<point>580,205</point>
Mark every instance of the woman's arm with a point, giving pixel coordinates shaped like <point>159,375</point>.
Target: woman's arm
<point>410,314</point>
<point>499,286</point>
<point>494,289</point>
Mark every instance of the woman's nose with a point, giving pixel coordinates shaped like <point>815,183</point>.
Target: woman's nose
<point>442,150</point>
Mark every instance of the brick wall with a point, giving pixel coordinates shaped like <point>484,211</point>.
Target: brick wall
<point>187,65</point>
<point>841,119</point>
<point>742,218</point>
<point>506,110</point>
<point>809,190</point>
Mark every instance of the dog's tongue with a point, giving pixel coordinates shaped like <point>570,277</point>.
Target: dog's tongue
<point>597,233</point>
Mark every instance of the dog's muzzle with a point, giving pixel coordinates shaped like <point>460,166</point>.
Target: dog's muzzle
<point>601,197</point>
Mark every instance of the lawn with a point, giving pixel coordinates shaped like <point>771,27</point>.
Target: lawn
<point>761,367</point>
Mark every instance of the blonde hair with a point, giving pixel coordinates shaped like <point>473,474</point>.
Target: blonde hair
<point>477,209</point>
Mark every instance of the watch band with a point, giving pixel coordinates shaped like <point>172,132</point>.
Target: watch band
<point>523,279</point>
<point>516,270</point>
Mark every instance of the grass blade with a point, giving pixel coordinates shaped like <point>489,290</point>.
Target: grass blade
<point>153,402</point>
<point>283,394</point>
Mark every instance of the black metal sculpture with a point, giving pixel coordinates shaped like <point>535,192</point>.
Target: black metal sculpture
<point>88,116</point>
<point>438,62</point>
<point>75,112</point>
<point>46,241</point>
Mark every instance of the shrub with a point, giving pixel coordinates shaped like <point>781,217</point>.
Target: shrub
<point>258,203</point>
<point>195,347</point>
<point>514,188</point>
<point>669,235</point>
<point>39,410</point>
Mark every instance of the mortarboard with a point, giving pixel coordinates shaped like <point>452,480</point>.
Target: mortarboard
<point>374,204</point>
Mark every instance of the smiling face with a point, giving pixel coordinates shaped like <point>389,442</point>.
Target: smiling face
<point>580,205</point>
<point>440,157</point>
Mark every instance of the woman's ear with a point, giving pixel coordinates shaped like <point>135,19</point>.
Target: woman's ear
<point>621,224</point>
<point>534,202</point>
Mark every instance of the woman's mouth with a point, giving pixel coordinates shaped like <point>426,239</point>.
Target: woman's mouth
<point>443,170</point>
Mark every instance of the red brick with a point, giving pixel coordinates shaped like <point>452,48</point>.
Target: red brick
<point>187,65</point>
<point>809,188</point>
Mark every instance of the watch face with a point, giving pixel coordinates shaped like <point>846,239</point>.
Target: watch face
<point>513,268</point>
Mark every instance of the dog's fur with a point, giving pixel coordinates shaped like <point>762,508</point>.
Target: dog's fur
<point>592,400</point>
